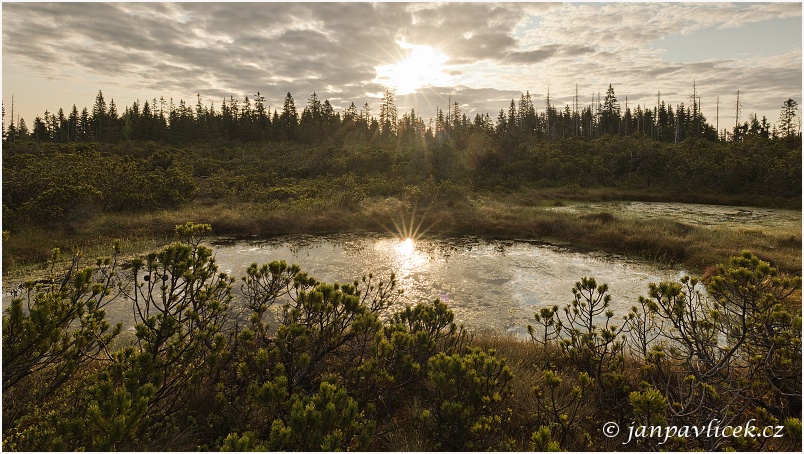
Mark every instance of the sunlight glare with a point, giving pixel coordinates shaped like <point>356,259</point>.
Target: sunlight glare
<point>407,246</point>
<point>407,259</point>
<point>424,66</point>
<point>403,245</point>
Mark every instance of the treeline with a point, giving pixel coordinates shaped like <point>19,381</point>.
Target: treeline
<point>250,120</point>
<point>297,364</point>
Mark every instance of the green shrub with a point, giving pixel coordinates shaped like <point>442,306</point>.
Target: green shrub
<point>469,400</point>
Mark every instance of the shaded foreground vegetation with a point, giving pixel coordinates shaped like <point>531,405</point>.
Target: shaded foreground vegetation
<point>337,371</point>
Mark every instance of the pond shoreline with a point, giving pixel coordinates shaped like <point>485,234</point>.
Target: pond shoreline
<point>490,284</point>
<point>525,216</point>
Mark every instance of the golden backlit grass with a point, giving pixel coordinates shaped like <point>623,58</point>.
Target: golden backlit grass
<point>527,216</point>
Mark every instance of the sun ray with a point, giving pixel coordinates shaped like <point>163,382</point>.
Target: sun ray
<point>422,66</point>
<point>412,229</point>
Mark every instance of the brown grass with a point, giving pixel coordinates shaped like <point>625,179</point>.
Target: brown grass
<point>522,216</point>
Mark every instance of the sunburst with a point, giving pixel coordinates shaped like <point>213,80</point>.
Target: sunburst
<point>407,246</point>
<point>411,230</point>
<point>422,66</point>
<point>407,233</point>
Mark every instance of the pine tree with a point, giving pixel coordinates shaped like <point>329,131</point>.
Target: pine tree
<point>351,113</point>
<point>98,120</point>
<point>610,116</point>
<point>40,132</point>
<point>513,124</point>
<point>72,125</point>
<point>311,125</point>
<point>388,114</point>
<point>261,117</point>
<point>289,118</point>
<point>22,132</point>
<point>787,119</point>
<point>329,118</point>
<point>502,122</point>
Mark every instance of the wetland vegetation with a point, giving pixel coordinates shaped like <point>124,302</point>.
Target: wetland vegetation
<point>351,365</point>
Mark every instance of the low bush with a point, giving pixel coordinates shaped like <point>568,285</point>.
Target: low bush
<point>337,371</point>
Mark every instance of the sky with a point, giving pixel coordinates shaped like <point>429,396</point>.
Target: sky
<point>481,55</point>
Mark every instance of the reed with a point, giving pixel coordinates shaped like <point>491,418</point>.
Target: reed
<point>523,215</point>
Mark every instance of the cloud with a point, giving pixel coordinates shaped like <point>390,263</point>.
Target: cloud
<point>216,48</point>
<point>495,50</point>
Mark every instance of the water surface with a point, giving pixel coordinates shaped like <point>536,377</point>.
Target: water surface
<point>695,214</point>
<point>488,284</point>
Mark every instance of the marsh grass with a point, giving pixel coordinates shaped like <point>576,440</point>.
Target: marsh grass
<point>664,240</point>
<point>525,215</point>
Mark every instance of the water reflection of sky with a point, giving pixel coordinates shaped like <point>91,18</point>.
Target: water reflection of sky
<point>487,284</point>
<point>694,214</point>
<point>495,284</point>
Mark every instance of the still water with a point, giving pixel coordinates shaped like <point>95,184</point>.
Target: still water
<point>765,219</point>
<point>488,284</point>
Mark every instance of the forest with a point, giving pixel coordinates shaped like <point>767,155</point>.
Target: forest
<point>277,360</point>
<point>250,120</point>
<point>74,180</point>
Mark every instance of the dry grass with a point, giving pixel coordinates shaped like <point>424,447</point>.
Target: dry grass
<point>665,240</point>
<point>521,216</point>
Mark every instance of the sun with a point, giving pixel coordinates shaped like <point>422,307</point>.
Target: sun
<point>407,247</point>
<point>423,66</point>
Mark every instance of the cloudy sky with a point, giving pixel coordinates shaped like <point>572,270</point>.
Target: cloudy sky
<point>481,55</point>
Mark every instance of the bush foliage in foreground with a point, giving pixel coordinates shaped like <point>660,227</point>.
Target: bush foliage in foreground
<point>335,371</point>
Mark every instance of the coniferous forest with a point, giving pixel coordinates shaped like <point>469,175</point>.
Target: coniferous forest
<point>158,155</point>
<point>251,121</point>
<point>277,360</point>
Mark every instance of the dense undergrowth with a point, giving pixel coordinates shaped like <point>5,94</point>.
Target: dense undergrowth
<point>71,195</point>
<point>336,370</point>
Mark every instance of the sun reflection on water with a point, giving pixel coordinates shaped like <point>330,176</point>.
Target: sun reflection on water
<point>407,257</point>
<point>406,247</point>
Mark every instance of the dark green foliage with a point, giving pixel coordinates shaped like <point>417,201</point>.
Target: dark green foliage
<point>787,120</point>
<point>560,403</point>
<point>730,356</point>
<point>649,406</point>
<point>589,345</point>
<point>58,327</point>
<point>329,420</point>
<point>469,398</point>
<point>541,441</point>
<point>71,186</point>
<point>126,162</point>
<point>736,354</point>
<point>302,365</point>
<point>103,410</point>
<point>402,351</point>
<point>67,183</point>
<point>181,303</point>
<point>244,121</point>
<point>50,337</point>
<point>591,340</point>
